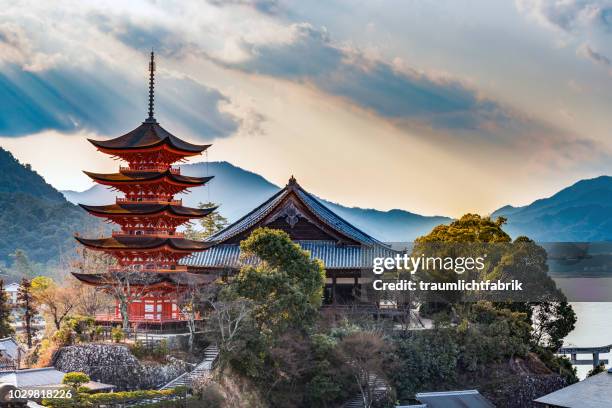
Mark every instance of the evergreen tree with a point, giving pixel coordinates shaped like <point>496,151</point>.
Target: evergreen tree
<point>286,287</point>
<point>5,313</point>
<point>210,224</point>
<point>27,304</point>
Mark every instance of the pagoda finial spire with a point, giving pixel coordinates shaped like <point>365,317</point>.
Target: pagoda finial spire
<point>151,86</point>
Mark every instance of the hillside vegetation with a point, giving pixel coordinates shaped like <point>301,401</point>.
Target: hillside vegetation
<point>35,217</point>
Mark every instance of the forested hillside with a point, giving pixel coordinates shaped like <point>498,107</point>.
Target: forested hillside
<point>35,217</point>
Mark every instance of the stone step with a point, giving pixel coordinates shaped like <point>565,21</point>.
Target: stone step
<point>211,353</point>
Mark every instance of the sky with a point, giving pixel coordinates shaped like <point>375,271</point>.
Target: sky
<point>435,107</point>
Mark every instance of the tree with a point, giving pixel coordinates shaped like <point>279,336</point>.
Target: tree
<point>75,379</point>
<point>27,303</point>
<point>91,300</point>
<point>552,322</point>
<point>544,306</point>
<point>286,286</point>
<point>126,285</point>
<point>193,293</point>
<point>5,313</point>
<point>229,316</point>
<point>364,353</point>
<point>596,370</point>
<point>57,301</point>
<point>210,224</point>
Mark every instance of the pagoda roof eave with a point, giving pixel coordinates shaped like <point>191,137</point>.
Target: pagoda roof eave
<point>139,177</point>
<point>136,209</point>
<point>151,279</point>
<point>146,136</point>
<point>143,242</point>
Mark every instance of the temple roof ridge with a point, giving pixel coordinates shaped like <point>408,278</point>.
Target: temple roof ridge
<point>321,211</point>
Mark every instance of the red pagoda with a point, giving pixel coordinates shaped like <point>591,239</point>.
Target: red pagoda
<point>147,243</point>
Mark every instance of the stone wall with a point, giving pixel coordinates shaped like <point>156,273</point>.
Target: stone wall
<point>520,391</point>
<point>115,364</point>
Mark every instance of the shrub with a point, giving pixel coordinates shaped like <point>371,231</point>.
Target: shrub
<point>117,334</point>
<point>75,379</point>
<point>158,352</point>
<point>212,397</point>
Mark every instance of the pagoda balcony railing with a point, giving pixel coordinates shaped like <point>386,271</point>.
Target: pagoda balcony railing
<point>123,200</point>
<point>147,317</point>
<point>148,269</point>
<point>160,234</point>
<point>151,168</point>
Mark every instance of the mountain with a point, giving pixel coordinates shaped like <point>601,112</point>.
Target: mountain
<point>239,191</point>
<point>581,212</point>
<point>34,216</point>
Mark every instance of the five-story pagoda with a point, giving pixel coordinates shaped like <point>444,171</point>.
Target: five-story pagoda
<point>147,243</point>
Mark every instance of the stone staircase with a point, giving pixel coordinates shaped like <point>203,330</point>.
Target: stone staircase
<point>211,353</point>
<point>379,388</point>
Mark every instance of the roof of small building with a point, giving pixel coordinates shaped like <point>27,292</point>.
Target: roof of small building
<point>454,399</point>
<point>12,287</point>
<point>9,347</point>
<point>44,377</point>
<point>592,392</point>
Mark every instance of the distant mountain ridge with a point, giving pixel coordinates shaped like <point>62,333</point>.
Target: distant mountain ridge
<point>239,191</point>
<point>580,212</point>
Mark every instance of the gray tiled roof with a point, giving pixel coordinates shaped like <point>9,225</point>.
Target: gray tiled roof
<point>324,214</point>
<point>334,220</point>
<point>592,392</point>
<point>248,220</point>
<point>9,347</point>
<point>43,377</point>
<point>334,256</point>
<point>454,399</point>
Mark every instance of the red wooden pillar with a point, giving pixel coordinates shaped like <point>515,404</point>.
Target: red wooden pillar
<point>167,309</point>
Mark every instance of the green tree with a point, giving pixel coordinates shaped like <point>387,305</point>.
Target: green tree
<point>5,313</point>
<point>286,286</point>
<point>27,303</point>
<point>551,316</point>
<point>469,236</point>
<point>542,304</point>
<point>364,354</point>
<point>596,370</point>
<point>469,228</point>
<point>210,224</point>
<point>75,379</point>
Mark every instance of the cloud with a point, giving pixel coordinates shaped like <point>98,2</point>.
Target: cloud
<point>569,15</point>
<point>586,22</point>
<point>594,56</point>
<point>263,6</point>
<point>16,47</point>
<point>394,92</point>
<point>142,35</point>
<point>70,99</point>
